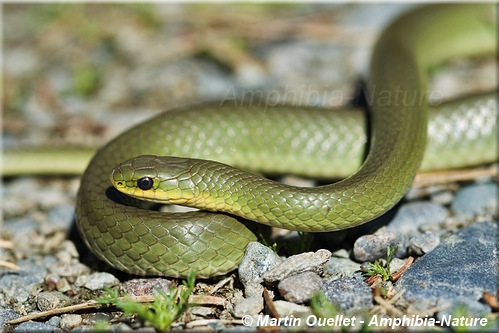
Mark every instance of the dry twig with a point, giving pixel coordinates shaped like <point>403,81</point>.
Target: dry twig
<point>395,276</point>
<point>450,176</point>
<point>194,299</point>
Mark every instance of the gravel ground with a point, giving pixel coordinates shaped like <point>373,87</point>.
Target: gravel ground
<point>79,74</point>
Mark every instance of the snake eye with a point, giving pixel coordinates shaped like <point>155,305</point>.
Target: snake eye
<point>145,183</point>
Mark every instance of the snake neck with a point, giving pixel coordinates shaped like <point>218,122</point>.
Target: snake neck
<point>214,186</point>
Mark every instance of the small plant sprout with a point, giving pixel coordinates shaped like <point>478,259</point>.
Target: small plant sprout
<point>377,268</point>
<point>163,311</point>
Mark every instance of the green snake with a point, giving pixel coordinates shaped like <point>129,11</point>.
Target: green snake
<point>284,139</point>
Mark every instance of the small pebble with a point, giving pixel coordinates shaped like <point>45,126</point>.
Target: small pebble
<point>7,315</point>
<point>35,270</point>
<point>34,326</point>
<point>97,281</point>
<point>476,199</point>
<point>247,306</point>
<point>301,287</point>
<point>471,309</point>
<point>422,244</point>
<point>201,311</point>
<point>22,226</point>
<point>61,216</point>
<point>253,290</point>
<point>18,284</point>
<point>141,287</point>
<point>70,321</point>
<point>100,317</point>
<point>300,263</point>
<point>412,216</point>
<point>442,198</point>
<point>15,286</point>
<point>19,196</point>
<point>54,321</point>
<point>91,329</point>
<point>341,265</point>
<point>287,309</point>
<point>257,260</point>
<point>372,247</point>
<point>123,327</point>
<point>348,293</point>
<point>49,300</point>
<point>51,197</point>
<point>51,280</point>
<point>81,280</point>
<point>396,264</point>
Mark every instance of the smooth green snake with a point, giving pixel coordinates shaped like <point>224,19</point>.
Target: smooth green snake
<point>286,139</point>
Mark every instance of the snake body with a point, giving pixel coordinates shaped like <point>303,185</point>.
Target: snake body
<point>301,140</point>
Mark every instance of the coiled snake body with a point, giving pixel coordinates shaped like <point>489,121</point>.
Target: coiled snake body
<point>300,140</point>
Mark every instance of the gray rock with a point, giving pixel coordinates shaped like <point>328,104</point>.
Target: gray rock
<point>476,199</point>
<point>300,263</point>
<point>61,216</point>
<point>242,329</point>
<point>50,197</point>
<point>247,306</point>
<point>49,300</point>
<point>340,265</point>
<point>202,311</point>
<point>70,321</point>
<point>464,264</point>
<point>301,287</point>
<point>372,247</point>
<point>348,293</point>
<point>100,317</point>
<point>395,264</point>
<point>97,281</point>
<point>123,327</point>
<point>67,265</point>
<point>141,287</point>
<point>34,270</point>
<point>54,321</point>
<point>288,309</point>
<point>464,306</point>
<point>17,284</point>
<point>424,243</point>
<point>19,196</point>
<point>257,260</point>
<point>33,326</point>
<point>17,228</point>
<point>442,197</point>
<point>54,281</point>
<point>412,216</point>
<point>91,329</point>
<point>81,280</point>
<point>7,315</point>
<point>253,290</point>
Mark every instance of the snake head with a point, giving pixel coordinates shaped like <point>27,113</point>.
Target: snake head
<point>153,178</point>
